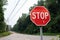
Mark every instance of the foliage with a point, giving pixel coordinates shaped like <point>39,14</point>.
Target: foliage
<point>4,34</point>
<point>2,23</point>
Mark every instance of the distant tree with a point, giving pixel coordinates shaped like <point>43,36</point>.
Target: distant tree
<point>20,25</point>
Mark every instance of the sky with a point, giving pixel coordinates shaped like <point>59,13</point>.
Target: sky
<point>22,7</point>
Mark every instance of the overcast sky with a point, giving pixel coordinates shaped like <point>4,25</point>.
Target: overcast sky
<point>22,9</point>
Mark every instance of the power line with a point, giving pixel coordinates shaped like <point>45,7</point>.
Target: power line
<point>13,9</point>
<point>19,9</point>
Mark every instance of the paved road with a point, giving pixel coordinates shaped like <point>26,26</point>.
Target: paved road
<point>17,36</point>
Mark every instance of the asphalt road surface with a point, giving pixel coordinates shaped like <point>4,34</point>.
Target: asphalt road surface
<point>17,36</point>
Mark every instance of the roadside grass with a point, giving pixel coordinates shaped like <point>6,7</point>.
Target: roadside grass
<point>4,34</point>
<point>52,34</point>
<point>49,34</point>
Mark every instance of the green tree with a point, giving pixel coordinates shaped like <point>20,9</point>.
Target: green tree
<point>20,26</point>
<point>2,23</point>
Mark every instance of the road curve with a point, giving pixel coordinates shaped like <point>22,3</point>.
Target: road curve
<point>17,36</point>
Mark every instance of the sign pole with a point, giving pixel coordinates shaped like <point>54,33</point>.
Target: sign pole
<point>41,33</point>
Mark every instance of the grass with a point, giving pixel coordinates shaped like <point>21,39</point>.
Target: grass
<point>52,34</point>
<point>4,34</point>
<point>49,34</point>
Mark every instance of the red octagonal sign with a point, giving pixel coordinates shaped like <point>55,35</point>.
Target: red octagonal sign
<point>40,16</point>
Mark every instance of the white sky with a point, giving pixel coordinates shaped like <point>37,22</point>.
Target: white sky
<point>24,9</point>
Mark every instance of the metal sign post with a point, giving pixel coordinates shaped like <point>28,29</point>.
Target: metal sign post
<point>41,33</point>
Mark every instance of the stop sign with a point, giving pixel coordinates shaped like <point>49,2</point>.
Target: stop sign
<point>40,16</point>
